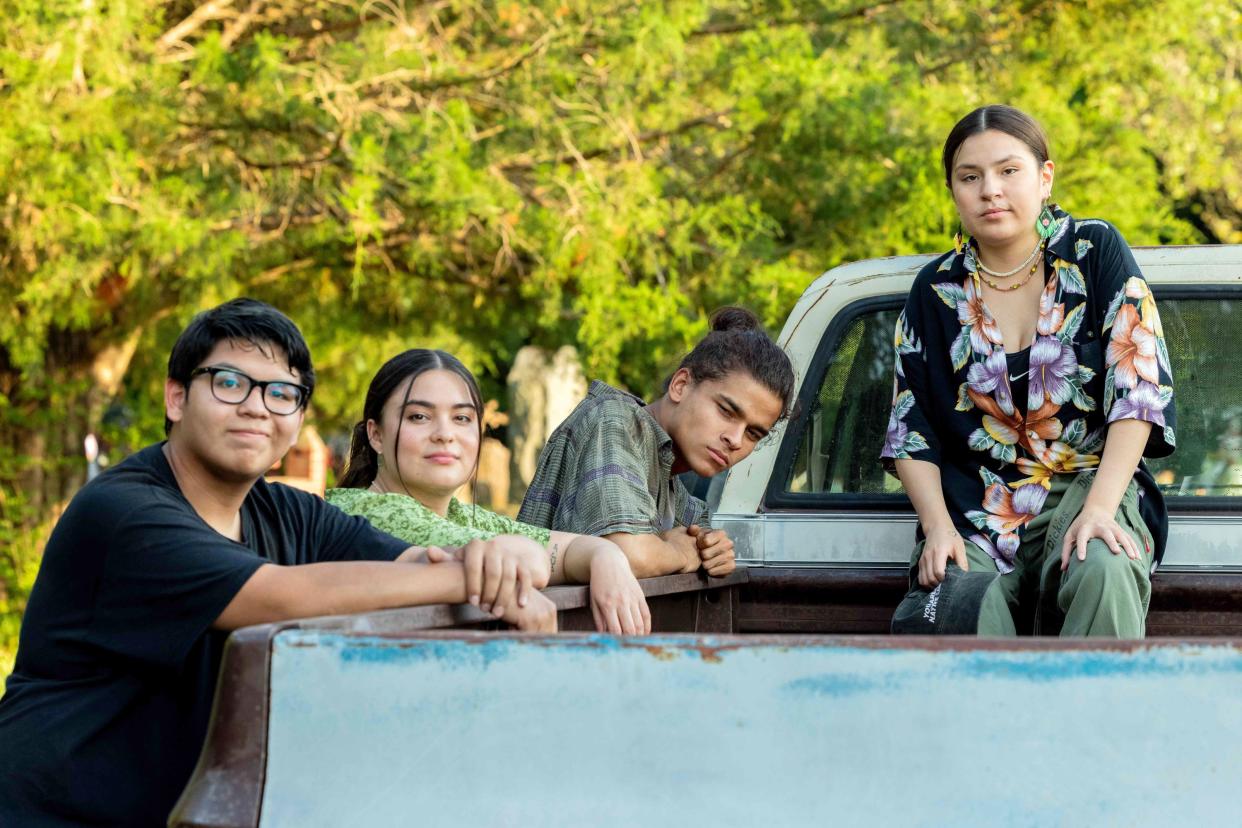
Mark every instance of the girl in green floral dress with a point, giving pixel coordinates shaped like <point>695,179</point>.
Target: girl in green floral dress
<point>418,443</point>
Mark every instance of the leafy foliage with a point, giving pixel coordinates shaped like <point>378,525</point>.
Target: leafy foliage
<point>483,175</point>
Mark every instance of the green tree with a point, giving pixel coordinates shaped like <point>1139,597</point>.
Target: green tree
<point>483,175</point>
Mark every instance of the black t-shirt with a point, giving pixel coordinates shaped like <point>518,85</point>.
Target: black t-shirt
<point>107,708</point>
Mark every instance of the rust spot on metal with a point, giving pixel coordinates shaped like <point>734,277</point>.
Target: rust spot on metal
<point>709,654</point>
<point>661,653</point>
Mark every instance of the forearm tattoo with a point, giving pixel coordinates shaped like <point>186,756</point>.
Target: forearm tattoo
<point>552,565</point>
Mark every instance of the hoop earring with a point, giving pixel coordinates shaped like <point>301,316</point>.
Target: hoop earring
<point>1046,224</point>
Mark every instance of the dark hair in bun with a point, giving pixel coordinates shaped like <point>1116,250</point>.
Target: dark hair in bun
<point>734,319</point>
<point>737,342</point>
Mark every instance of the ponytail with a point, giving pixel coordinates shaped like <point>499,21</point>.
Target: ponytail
<point>363,462</point>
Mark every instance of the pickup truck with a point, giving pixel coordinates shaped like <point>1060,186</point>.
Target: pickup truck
<point>775,696</point>
<point>827,534</point>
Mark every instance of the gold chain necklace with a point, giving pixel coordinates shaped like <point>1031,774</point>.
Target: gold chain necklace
<point>980,271</point>
<point>978,260</point>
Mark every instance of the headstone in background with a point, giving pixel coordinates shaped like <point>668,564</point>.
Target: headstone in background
<point>527,415</point>
<point>491,486</point>
<point>566,385</point>
<point>543,390</point>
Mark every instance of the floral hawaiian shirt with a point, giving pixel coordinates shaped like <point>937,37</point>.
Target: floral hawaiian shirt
<point>998,436</point>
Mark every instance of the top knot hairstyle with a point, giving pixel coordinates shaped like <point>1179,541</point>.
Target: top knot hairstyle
<point>241,320</point>
<point>737,342</point>
<point>1002,118</point>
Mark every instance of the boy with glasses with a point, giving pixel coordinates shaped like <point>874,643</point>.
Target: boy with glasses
<point>157,559</point>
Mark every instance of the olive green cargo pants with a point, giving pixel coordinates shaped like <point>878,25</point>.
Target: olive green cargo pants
<point>1105,595</point>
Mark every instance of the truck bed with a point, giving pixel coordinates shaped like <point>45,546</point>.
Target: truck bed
<point>426,715</point>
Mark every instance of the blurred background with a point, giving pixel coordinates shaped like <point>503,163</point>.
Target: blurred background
<point>554,191</point>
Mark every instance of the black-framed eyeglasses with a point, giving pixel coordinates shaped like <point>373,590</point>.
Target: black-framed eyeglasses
<point>232,387</point>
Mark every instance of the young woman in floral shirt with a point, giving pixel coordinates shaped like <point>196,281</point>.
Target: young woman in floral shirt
<point>1031,378</point>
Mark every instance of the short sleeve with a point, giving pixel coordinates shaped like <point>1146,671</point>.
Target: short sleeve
<point>909,435</point>
<point>1138,378</point>
<point>165,579</point>
<point>402,517</point>
<point>609,491</point>
<point>413,523</point>
<point>333,535</point>
<point>489,524</point>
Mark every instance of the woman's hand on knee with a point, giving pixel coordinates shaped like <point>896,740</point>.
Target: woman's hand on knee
<point>942,545</point>
<point>1096,523</point>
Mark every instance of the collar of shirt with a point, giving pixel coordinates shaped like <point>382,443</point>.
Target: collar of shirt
<point>664,443</point>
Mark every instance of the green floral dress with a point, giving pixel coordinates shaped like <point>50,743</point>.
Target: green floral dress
<point>404,517</point>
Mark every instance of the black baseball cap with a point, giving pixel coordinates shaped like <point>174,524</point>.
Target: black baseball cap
<point>950,608</point>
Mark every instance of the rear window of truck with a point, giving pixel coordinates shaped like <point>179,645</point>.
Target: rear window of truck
<point>848,390</point>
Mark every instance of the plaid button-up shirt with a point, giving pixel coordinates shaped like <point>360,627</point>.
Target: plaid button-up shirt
<point>608,468</point>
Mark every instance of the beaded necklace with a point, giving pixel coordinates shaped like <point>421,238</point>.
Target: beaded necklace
<point>1038,246</point>
<point>983,271</point>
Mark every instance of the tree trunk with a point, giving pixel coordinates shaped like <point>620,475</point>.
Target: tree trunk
<point>49,413</point>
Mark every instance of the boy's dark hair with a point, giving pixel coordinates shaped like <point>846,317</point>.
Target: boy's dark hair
<point>1001,118</point>
<point>737,342</point>
<point>242,320</point>
<point>406,367</point>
